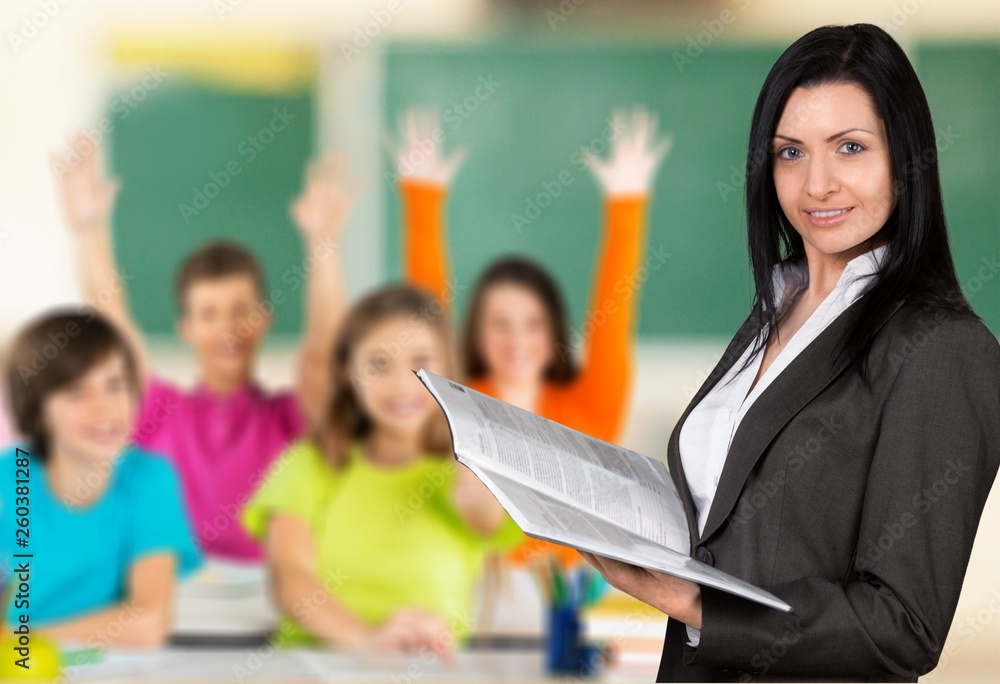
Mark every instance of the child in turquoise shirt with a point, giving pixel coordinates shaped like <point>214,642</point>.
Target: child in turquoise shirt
<point>103,521</point>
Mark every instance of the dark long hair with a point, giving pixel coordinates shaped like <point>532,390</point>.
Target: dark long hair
<point>521,271</point>
<point>918,265</point>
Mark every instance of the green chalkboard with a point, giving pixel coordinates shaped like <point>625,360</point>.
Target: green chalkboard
<point>962,83</point>
<point>550,102</point>
<point>552,99</point>
<point>175,153</point>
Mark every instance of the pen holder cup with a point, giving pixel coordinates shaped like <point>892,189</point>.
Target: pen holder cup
<point>565,652</point>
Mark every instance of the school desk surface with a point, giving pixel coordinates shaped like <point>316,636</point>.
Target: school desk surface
<point>291,666</point>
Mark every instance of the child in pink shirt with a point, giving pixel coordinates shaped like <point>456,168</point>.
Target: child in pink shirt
<point>223,434</point>
<point>222,446</point>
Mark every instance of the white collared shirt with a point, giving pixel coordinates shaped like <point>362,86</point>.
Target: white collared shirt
<point>709,428</point>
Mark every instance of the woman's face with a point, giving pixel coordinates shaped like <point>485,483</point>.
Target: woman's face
<point>381,373</point>
<point>832,171</point>
<point>515,333</point>
<point>89,420</point>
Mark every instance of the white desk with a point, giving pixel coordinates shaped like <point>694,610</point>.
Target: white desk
<point>265,666</point>
<point>228,598</point>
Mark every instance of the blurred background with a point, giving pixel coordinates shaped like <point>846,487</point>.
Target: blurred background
<point>187,91</point>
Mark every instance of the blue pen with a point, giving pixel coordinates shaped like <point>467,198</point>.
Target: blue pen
<point>578,596</point>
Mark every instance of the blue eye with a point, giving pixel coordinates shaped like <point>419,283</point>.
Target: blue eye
<point>782,153</point>
<point>856,147</point>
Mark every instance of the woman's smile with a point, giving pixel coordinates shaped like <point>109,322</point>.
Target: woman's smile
<point>828,217</point>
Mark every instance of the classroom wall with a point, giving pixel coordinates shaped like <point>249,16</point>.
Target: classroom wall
<point>62,77</point>
<point>71,49</point>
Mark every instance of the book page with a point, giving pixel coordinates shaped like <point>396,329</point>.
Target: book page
<point>565,487</point>
<point>545,517</point>
<point>620,486</point>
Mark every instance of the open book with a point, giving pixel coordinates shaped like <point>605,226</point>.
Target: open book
<point>566,487</point>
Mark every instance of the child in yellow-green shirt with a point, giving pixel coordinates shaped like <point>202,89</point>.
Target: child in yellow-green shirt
<point>376,536</point>
<point>399,540</point>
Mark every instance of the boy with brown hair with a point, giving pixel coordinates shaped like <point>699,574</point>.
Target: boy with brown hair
<point>224,433</point>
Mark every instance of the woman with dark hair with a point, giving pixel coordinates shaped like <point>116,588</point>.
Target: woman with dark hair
<point>841,452</point>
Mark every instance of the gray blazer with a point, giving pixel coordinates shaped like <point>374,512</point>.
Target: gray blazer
<point>856,506</point>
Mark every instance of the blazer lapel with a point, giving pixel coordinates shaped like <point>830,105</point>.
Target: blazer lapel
<point>746,333</point>
<point>801,381</point>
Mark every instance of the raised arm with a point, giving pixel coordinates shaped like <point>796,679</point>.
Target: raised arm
<point>626,180</point>
<point>424,178</point>
<point>319,213</point>
<point>88,196</point>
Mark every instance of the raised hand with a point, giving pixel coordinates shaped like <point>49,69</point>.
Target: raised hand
<point>87,197</point>
<point>636,154</point>
<point>86,194</point>
<point>418,149</point>
<point>321,210</point>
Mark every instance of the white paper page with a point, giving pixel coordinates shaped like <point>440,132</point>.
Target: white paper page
<point>545,517</point>
<point>544,510</point>
<point>621,486</point>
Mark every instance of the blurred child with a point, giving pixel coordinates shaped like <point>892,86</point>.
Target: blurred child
<point>517,335</point>
<point>224,433</point>
<point>376,536</point>
<point>103,521</point>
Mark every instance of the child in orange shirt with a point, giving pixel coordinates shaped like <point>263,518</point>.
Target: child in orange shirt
<point>517,333</point>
